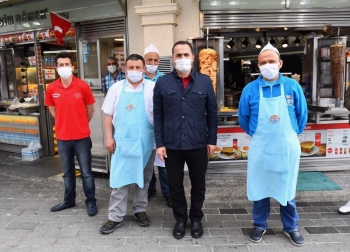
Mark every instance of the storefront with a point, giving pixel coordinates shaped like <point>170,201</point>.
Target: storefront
<point>303,32</point>
<point>27,63</point>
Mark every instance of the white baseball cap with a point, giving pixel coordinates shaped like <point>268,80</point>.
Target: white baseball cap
<point>150,48</point>
<point>270,47</point>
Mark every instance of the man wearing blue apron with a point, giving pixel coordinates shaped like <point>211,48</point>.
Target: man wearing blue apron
<point>113,74</point>
<point>128,109</point>
<point>273,110</point>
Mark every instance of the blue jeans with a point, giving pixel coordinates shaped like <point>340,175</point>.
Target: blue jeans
<point>289,215</point>
<point>163,179</point>
<point>82,150</point>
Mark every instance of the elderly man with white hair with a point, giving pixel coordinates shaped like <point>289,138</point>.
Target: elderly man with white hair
<point>273,111</point>
<point>151,56</point>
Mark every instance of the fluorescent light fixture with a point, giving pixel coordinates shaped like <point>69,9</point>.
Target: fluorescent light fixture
<point>233,3</point>
<point>66,51</point>
<point>214,2</point>
<point>26,25</point>
<point>118,39</point>
<point>226,59</point>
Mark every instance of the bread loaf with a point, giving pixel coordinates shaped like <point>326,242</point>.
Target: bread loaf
<point>208,64</point>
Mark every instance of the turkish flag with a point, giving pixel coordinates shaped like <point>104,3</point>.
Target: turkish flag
<point>60,26</point>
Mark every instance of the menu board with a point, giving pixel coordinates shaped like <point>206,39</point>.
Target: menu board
<point>323,141</point>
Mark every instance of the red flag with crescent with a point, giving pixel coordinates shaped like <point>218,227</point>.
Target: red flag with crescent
<point>60,25</point>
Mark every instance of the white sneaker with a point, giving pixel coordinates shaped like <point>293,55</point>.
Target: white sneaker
<point>345,209</point>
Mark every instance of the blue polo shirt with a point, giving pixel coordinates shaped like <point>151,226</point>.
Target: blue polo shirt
<point>156,77</point>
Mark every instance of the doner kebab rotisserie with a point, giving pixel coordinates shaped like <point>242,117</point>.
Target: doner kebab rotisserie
<point>208,64</point>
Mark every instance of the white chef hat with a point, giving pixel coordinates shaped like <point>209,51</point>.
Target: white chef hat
<point>270,47</point>
<point>150,48</point>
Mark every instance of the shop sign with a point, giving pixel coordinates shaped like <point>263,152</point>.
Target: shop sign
<point>24,17</point>
<point>49,74</point>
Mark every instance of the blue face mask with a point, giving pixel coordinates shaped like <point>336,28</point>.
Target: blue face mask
<point>151,68</point>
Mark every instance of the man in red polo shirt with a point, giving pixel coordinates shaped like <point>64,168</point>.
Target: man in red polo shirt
<point>71,104</point>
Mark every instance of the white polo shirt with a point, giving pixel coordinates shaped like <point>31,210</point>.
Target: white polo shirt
<point>110,103</point>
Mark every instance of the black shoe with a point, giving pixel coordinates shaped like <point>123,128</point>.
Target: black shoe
<point>61,206</point>
<point>109,226</point>
<point>196,229</point>
<point>151,192</point>
<point>168,200</point>
<point>142,219</point>
<point>295,237</point>
<point>91,208</point>
<point>179,229</point>
<point>256,234</point>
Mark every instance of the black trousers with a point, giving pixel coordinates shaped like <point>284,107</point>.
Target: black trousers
<point>197,162</point>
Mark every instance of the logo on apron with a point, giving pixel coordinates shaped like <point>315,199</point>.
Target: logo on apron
<point>289,100</point>
<point>274,119</point>
<point>130,107</point>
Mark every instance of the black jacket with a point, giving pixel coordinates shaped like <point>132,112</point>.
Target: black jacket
<point>184,119</point>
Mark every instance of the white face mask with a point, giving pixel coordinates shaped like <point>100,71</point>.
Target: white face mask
<point>112,68</point>
<point>134,76</point>
<point>269,71</point>
<point>64,72</point>
<point>183,65</point>
<point>151,68</point>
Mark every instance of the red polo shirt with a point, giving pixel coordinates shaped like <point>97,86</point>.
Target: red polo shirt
<point>71,120</point>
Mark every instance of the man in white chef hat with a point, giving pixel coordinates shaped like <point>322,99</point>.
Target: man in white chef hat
<point>151,56</point>
<point>273,111</point>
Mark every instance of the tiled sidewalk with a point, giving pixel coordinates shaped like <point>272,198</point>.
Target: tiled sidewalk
<point>29,189</point>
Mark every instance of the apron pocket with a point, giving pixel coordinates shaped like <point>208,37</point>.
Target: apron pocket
<point>130,147</point>
<point>275,160</point>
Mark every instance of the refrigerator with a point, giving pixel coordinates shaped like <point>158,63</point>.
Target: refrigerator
<point>7,75</point>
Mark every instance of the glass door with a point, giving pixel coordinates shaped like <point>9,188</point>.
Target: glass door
<point>90,70</point>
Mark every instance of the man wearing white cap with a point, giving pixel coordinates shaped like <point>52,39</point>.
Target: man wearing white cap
<point>151,56</point>
<point>273,111</point>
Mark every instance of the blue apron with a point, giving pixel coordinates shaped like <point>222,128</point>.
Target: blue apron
<point>274,153</point>
<point>134,139</point>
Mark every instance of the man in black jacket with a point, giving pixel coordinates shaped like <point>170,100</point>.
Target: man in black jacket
<point>185,127</point>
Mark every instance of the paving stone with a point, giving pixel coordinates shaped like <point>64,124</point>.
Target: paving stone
<point>318,209</point>
<point>230,248</point>
<point>222,232</point>
<point>211,241</point>
<point>329,222</point>
<point>150,248</point>
<point>142,241</point>
<point>233,211</point>
<point>220,217</point>
<point>102,242</point>
<point>197,248</point>
<point>343,229</point>
<point>321,230</point>
<point>86,249</point>
<point>322,203</point>
<point>187,240</point>
<point>339,247</point>
<point>38,242</point>
<point>266,248</point>
<point>305,247</point>
<point>22,225</point>
<point>302,204</point>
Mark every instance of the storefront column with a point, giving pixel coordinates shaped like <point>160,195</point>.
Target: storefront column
<point>158,19</point>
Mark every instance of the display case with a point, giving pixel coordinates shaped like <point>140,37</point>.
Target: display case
<point>7,75</point>
<point>17,131</point>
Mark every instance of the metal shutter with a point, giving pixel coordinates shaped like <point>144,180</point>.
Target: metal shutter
<point>276,18</point>
<point>101,28</point>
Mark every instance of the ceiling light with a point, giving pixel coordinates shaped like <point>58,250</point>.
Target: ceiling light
<point>118,39</point>
<point>233,3</point>
<point>285,43</point>
<point>297,42</point>
<point>285,28</point>
<point>214,2</point>
<point>3,1</point>
<point>245,43</point>
<point>272,42</point>
<point>257,29</point>
<point>258,43</point>
<point>230,44</point>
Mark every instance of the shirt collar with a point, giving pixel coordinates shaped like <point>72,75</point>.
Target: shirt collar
<point>129,85</point>
<point>192,74</point>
